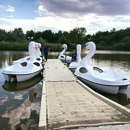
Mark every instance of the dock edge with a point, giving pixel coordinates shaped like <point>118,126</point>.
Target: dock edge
<point>42,114</point>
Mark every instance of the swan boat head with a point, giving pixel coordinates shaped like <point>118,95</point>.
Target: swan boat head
<point>92,48</point>
<point>37,50</point>
<point>64,47</point>
<point>31,49</point>
<point>39,46</point>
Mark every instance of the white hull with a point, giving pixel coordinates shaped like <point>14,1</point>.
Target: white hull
<point>20,77</point>
<point>110,89</point>
<point>65,61</point>
<point>16,86</point>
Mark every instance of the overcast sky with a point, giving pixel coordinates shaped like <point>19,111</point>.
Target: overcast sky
<point>65,15</point>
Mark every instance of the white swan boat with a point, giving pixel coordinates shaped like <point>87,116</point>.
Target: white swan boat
<point>24,70</point>
<point>74,65</point>
<point>62,57</point>
<point>107,81</point>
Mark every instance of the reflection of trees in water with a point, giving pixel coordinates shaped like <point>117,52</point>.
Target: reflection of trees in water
<point>119,98</point>
<point>7,57</point>
<point>113,57</point>
<point>110,57</point>
<point>4,123</point>
<point>31,123</point>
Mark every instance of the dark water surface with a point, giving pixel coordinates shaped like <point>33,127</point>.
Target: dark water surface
<point>20,102</point>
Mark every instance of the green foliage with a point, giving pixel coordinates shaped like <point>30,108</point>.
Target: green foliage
<point>108,40</point>
<point>54,47</point>
<point>13,46</point>
<point>41,40</point>
<point>77,35</point>
<point>30,35</point>
<point>63,40</point>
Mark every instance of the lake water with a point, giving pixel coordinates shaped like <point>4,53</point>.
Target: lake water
<point>20,102</point>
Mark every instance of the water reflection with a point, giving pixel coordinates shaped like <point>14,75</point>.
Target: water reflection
<point>122,99</point>
<point>113,57</point>
<point>7,57</point>
<point>20,104</point>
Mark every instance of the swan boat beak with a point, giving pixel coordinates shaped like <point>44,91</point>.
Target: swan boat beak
<point>61,47</point>
<point>84,49</point>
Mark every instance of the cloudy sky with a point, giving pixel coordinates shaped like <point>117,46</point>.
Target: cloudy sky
<point>65,15</point>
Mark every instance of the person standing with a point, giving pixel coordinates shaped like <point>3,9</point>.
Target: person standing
<point>45,50</point>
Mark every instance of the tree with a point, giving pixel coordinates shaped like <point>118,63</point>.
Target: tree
<point>77,35</point>
<point>3,34</point>
<point>63,40</point>
<point>48,35</point>
<point>18,35</point>
<point>113,30</point>
<point>30,35</point>
<point>38,35</point>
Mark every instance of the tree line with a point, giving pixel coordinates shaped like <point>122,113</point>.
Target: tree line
<point>107,40</point>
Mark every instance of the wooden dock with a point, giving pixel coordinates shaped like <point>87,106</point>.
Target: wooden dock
<point>68,103</point>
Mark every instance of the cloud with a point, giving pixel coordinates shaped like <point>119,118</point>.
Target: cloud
<point>43,12</point>
<point>92,23</point>
<point>8,8</point>
<point>83,7</point>
<point>65,15</point>
<point>94,15</point>
<point>10,16</point>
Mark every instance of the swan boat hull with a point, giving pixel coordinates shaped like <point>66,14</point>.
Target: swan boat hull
<point>110,89</point>
<point>65,59</point>
<point>22,72</point>
<point>20,77</point>
<point>73,66</point>
<point>18,86</point>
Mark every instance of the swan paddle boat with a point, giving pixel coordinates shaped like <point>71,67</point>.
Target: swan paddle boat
<point>62,57</point>
<point>107,81</point>
<point>24,70</point>
<point>74,65</point>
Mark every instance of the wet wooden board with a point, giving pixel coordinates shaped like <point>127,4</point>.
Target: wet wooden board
<point>70,105</point>
<point>55,70</point>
